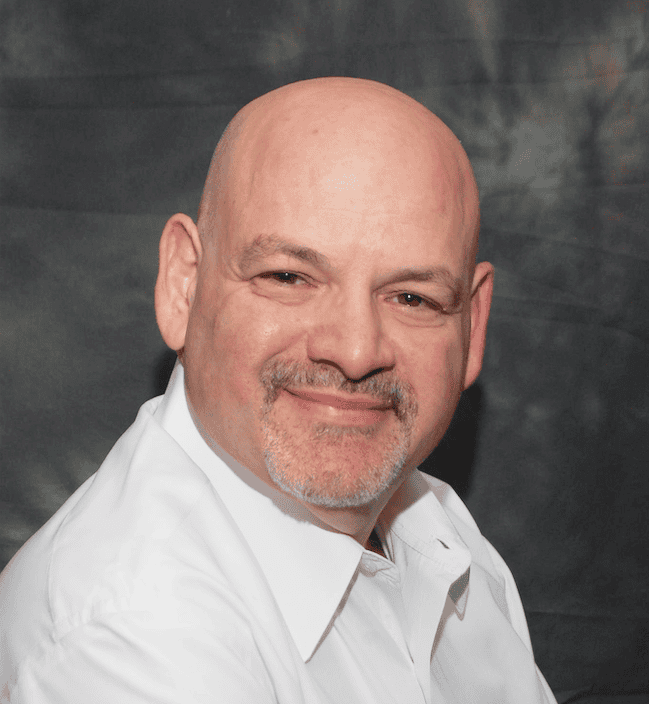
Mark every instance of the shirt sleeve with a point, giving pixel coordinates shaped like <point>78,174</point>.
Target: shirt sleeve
<point>124,658</point>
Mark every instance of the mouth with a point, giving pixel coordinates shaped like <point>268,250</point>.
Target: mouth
<point>339,409</point>
<point>347,403</point>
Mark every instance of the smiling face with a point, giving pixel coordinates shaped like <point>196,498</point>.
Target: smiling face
<point>330,327</point>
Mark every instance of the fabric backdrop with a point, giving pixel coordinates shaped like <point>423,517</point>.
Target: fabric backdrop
<point>109,112</point>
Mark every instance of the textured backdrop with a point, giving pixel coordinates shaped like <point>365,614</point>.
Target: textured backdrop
<point>109,112</point>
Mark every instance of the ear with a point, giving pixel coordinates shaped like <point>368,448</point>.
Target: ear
<point>481,292</point>
<point>180,254</point>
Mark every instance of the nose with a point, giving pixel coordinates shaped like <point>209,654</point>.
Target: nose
<point>350,335</point>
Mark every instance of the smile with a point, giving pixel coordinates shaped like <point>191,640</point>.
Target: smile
<point>347,410</point>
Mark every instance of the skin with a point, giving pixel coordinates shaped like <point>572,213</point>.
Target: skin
<point>327,306</point>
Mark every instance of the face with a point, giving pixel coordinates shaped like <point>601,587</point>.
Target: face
<point>327,342</point>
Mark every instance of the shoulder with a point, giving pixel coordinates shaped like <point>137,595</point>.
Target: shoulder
<point>145,547</point>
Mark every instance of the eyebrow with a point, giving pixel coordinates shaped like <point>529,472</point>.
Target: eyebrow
<point>268,245</point>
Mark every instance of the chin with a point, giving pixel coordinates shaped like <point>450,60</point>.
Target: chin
<point>336,467</point>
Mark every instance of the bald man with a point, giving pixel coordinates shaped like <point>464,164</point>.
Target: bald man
<point>261,533</point>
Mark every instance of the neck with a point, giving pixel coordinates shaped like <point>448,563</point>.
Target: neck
<point>358,522</point>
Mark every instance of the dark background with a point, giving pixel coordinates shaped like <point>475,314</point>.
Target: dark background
<point>109,112</point>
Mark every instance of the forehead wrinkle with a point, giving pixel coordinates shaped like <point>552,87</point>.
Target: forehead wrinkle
<point>268,245</point>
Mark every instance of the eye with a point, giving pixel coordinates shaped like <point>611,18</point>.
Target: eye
<point>414,309</point>
<point>283,277</point>
<point>412,300</point>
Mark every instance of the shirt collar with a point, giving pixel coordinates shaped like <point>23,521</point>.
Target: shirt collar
<point>418,531</point>
<point>415,519</point>
<point>308,566</point>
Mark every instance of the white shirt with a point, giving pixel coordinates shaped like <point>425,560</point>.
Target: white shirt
<point>174,575</point>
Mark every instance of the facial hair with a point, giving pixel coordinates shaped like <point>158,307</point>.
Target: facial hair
<point>328,464</point>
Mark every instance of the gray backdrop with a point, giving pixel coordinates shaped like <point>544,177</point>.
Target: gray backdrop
<point>109,112</point>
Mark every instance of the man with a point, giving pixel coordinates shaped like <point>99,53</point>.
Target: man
<point>261,533</point>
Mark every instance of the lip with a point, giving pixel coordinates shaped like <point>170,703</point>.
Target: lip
<point>345,403</point>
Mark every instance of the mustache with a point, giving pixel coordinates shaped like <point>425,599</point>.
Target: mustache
<point>386,387</point>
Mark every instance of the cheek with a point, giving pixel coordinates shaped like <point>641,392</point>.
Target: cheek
<point>436,374</point>
<point>240,338</point>
<point>436,361</point>
<point>226,349</point>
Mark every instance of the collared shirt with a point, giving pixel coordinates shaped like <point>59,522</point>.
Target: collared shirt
<point>175,575</point>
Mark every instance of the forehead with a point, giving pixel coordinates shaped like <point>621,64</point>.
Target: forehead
<point>355,162</point>
<point>334,227</point>
<point>348,179</point>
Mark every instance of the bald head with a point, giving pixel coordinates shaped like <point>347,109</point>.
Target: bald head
<point>339,143</point>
